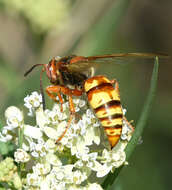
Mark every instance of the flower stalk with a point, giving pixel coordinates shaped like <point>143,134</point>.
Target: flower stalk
<point>20,135</point>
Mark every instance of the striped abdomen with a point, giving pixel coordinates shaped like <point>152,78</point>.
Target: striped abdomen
<point>105,101</point>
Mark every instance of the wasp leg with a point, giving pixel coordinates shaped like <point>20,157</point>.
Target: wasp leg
<point>67,127</point>
<point>114,81</point>
<point>62,89</point>
<point>71,105</point>
<point>72,115</point>
<point>53,89</point>
<point>58,89</point>
<point>61,100</point>
<point>129,123</point>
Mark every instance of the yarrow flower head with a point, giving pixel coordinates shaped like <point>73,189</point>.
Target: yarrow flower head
<point>21,156</point>
<point>61,152</point>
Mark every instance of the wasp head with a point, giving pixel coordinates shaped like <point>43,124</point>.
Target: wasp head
<point>52,71</point>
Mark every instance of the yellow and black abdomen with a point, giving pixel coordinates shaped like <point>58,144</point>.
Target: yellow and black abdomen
<point>105,101</point>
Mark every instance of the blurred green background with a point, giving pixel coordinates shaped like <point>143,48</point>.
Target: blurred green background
<point>33,31</point>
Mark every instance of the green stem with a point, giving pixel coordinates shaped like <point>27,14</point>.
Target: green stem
<point>20,142</point>
<point>20,135</point>
<point>110,179</point>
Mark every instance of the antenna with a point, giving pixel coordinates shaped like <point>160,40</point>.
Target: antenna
<point>27,72</point>
<point>41,88</point>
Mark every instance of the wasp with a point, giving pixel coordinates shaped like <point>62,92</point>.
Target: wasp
<point>75,75</point>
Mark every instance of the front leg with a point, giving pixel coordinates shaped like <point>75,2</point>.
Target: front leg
<point>58,89</point>
<point>52,91</point>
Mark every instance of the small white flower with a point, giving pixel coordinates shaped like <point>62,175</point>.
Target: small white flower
<point>51,146</point>
<point>127,130</point>
<point>63,173</point>
<point>79,164</point>
<point>35,154</point>
<point>79,147</point>
<point>41,169</point>
<point>58,186</point>
<point>78,177</point>
<point>33,102</point>
<point>41,118</point>
<point>25,146</point>
<point>112,159</point>
<point>75,187</point>
<point>5,138</point>
<point>62,116</point>
<point>32,132</point>
<point>124,111</point>
<point>7,134</point>
<point>93,186</point>
<point>118,158</point>
<point>76,101</point>
<point>82,103</point>
<point>33,179</point>
<point>92,135</point>
<point>51,133</point>
<point>52,116</point>
<point>53,160</point>
<point>48,182</point>
<point>89,113</point>
<point>38,149</point>
<point>102,170</point>
<point>14,117</point>
<point>41,149</point>
<point>21,156</point>
<point>45,184</point>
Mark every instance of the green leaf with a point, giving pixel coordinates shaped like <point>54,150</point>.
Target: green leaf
<point>145,112</point>
<point>110,179</point>
<point>5,148</point>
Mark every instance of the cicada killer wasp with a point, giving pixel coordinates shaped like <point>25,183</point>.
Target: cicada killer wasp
<point>74,75</point>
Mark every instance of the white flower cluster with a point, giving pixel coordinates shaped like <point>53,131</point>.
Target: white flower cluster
<point>68,163</point>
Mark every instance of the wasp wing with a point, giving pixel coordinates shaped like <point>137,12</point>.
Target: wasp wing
<point>119,58</point>
<point>127,55</point>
